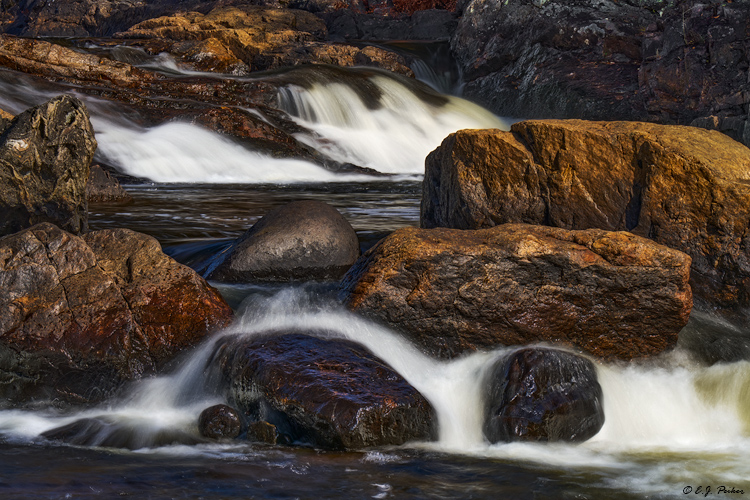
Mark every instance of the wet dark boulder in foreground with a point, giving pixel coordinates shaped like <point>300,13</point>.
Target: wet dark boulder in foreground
<point>103,187</point>
<point>612,294</point>
<point>297,241</point>
<point>45,154</point>
<point>541,394</point>
<point>331,394</point>
<point>683,187</point>
<point>220,421</point>
<point>79,316</point>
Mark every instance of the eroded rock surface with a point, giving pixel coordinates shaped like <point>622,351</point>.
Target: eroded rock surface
<point>683,187</point>
<point>82,315</point>
<point>611,294</point>
<point>45,154</point>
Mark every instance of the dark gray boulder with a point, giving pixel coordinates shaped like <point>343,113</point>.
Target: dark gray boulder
<point>541,394</point>
<point>103,187</point>
<point>220,421</point>
<point>298,241</point>
<point>45,154</point>
<point>332,394</point>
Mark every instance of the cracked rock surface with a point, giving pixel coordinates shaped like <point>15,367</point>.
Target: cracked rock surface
<point>683,187</point>
<point>80,316</point>
<point>611,294</point>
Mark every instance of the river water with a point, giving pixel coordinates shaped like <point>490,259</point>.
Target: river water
<point>674,427</point>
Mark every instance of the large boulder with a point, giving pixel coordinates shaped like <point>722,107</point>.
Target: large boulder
<point>541,394</point>
<point>79,316</point>
<point>329,393</point>
<point>683,187</point>
<point>45,154</point>
<point>297,241</point>
<point>611,294</point>
<point>669,62</point>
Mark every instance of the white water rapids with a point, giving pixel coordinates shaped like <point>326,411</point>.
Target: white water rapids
<point>665,427</point>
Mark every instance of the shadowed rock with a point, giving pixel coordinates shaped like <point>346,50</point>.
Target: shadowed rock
<point>299,240</point>
<point>102,187</point>
<point>329,393</point>
<point>81,316</point>
<point>220,421</point>
<point>612,294</point>
<point>45,154</point>
<point>540,394</point>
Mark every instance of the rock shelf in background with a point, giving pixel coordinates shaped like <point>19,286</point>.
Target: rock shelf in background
<point>45,154</point>
<point>329,393</point>
<point>301,240</point>
<point>79,316</point>
<point>612,294</point>
<point>683,187</point>
<point>541,394</point>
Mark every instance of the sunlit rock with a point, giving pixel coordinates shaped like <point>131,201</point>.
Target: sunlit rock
<point>79,316</point>
<point>299,240</point>
<point>540,394</point>
<point>683,187</point>
<point>45,154</point>
<point>328,393</point>
<point>612,294</point>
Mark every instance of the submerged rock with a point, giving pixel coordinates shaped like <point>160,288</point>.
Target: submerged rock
<point>297,241</point>
<point>682,187</point>
<point>220,421</point>
<point>328,393</point>
<point>45,154</point>
<point>102,187</point>
<point>611,294</point>
<point>80,316</point>
<point>540,394</point>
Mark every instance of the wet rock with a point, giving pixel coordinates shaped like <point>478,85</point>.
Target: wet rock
<point>297,241</point>
<point>328,393</point>
<point>45,154</point>
<point>666,62</point>
<point>80,316</point>
<point>103,187</point>
<point>611,294</point>
<point>682,187</point>
<point>540,394</point>
<point>220,421</point>
<point>261,37</point>
<point>111,432</point>
<point>263,432</point>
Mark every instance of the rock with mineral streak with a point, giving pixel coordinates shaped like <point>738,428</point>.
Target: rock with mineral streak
<point>611,294</point>
<point>79,316</point>
<point>683,187</point>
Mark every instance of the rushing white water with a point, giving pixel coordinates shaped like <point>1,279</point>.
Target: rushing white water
<point>394,137</point>
<point>666,427</point>
<point>181,152</point>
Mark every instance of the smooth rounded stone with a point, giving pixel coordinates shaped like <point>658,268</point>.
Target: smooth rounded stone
<point>540,394</point>
<point>45,154</point>
<point>111,432</point>
<point>220,421</point>
<point>332,394</point>
<point>297,241</point>
<point>80,316</point>
<point>611,294</point>
<point>683,187</point>
<point>102,187</point>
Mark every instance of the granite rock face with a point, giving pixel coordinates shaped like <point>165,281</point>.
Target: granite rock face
<point>82,315</point>
<point>611,294</point>
<point>45,154</point>
<point>683,187</point>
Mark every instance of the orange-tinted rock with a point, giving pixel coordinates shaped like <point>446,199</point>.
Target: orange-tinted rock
<point>82,315</point>
<point>683,187</point>
<point>45,154</point>
<point>611,294</point>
